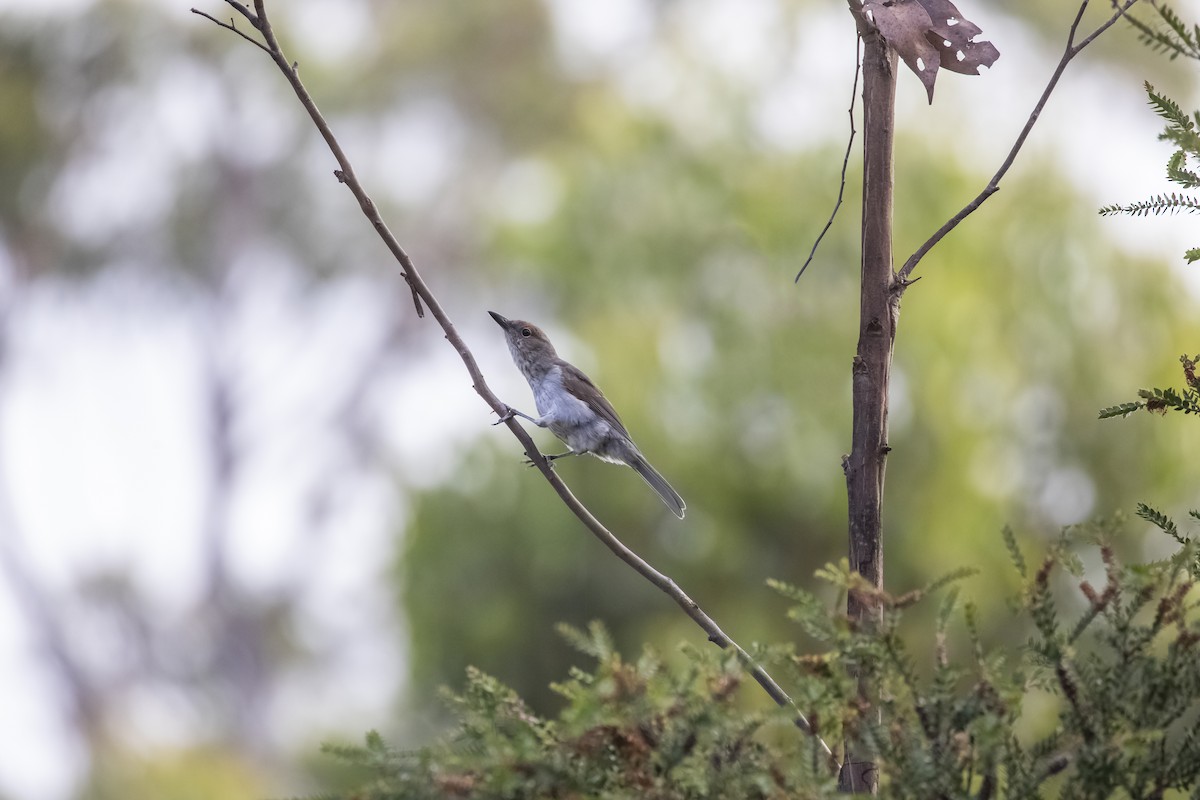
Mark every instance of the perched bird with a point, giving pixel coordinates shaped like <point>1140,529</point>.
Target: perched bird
<point>573,408</point>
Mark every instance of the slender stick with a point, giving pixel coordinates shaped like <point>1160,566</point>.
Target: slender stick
<point>845,159</point>
<point>866,465</point>
<point>1072,49</point>
<point>422,293</point>
<point>232,26</point>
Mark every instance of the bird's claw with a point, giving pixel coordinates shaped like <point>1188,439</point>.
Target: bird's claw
<point>506,416</point>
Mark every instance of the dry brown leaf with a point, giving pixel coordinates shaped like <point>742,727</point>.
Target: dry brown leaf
<point>954,37</point>
<point>928,34</point>
<point>904,24</point>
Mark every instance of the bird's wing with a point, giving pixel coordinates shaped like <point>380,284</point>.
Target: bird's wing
<point>574,382</point>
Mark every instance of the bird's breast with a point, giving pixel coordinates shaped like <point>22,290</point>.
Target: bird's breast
<point>556,404</point>
<point>567,416</point>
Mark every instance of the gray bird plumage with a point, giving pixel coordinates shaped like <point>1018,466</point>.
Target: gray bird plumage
<point>574,408</point>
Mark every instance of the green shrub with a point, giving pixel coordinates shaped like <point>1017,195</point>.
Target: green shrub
<point>1115,680</point>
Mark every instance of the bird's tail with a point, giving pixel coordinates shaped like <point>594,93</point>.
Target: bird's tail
<point>658,483</point>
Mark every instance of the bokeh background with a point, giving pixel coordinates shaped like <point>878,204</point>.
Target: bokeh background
<point>249,502</point>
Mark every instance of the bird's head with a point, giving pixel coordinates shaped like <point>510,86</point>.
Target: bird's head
<point>530,347</point>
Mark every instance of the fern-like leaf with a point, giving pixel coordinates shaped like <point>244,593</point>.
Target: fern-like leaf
<point>1014,551</point>
<point>1178,172</point>
<point>1159,204</point>
<point>950,577</point>
<point>595,642</point>
<point>1162,399</point>
<point>1120,410</point>
<point>946,610</point>
<point>1182,130</point>
<point>1161,521</point>
<point>1168,109</point>
<point>1173,38</point>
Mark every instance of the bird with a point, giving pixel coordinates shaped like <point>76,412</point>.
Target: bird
<point>574,409</point>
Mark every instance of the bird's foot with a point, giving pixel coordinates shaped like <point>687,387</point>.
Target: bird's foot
<point>511,412</point>
<point>549,459</point>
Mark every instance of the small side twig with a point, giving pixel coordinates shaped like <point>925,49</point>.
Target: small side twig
<point>422,293</point>
<point>1072,49</point>
<point>845,159</point>
<point>232,26</point>
<point>291,70</point>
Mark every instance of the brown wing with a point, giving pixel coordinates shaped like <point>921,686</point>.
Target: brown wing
<point>580,385</point>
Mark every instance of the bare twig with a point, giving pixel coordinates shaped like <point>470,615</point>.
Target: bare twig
<point>845,159</point>
<point>1072,49</point>
<point>258,18</point>
<point>422,293</point>
<point>230,26</point>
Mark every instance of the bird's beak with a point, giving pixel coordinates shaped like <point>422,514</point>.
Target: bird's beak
<point>501,321</point>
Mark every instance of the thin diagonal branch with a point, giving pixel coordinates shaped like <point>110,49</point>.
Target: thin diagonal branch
<point>421,292</point>
<point>845,159</point>
<point>230,26</point>
<point>1072,49</point>
<point>345,173</point>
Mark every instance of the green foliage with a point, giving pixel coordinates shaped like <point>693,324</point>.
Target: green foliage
<point>997,723</point>
<point>1160,401</point>
<point>1101,701</point>
<point>1120,410</point>
<point>1184,132</point>
<point>628,730</point>
<point>1160,521</point>
<point>1173,37</point>
<point>1158,204</point>
<point>1014,550</point>
<point>663,268</point>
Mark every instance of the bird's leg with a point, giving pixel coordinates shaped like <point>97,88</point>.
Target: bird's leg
<point>512,412</point>
<point>552,459</point>
<point>540,422</point>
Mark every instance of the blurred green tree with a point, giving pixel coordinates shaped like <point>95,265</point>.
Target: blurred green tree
<point>631,198</point>
<point>669,256</point>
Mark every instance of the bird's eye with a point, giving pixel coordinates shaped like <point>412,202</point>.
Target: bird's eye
<point>526,332</point>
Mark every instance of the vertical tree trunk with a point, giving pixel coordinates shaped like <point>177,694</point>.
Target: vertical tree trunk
<point>865,465</point>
